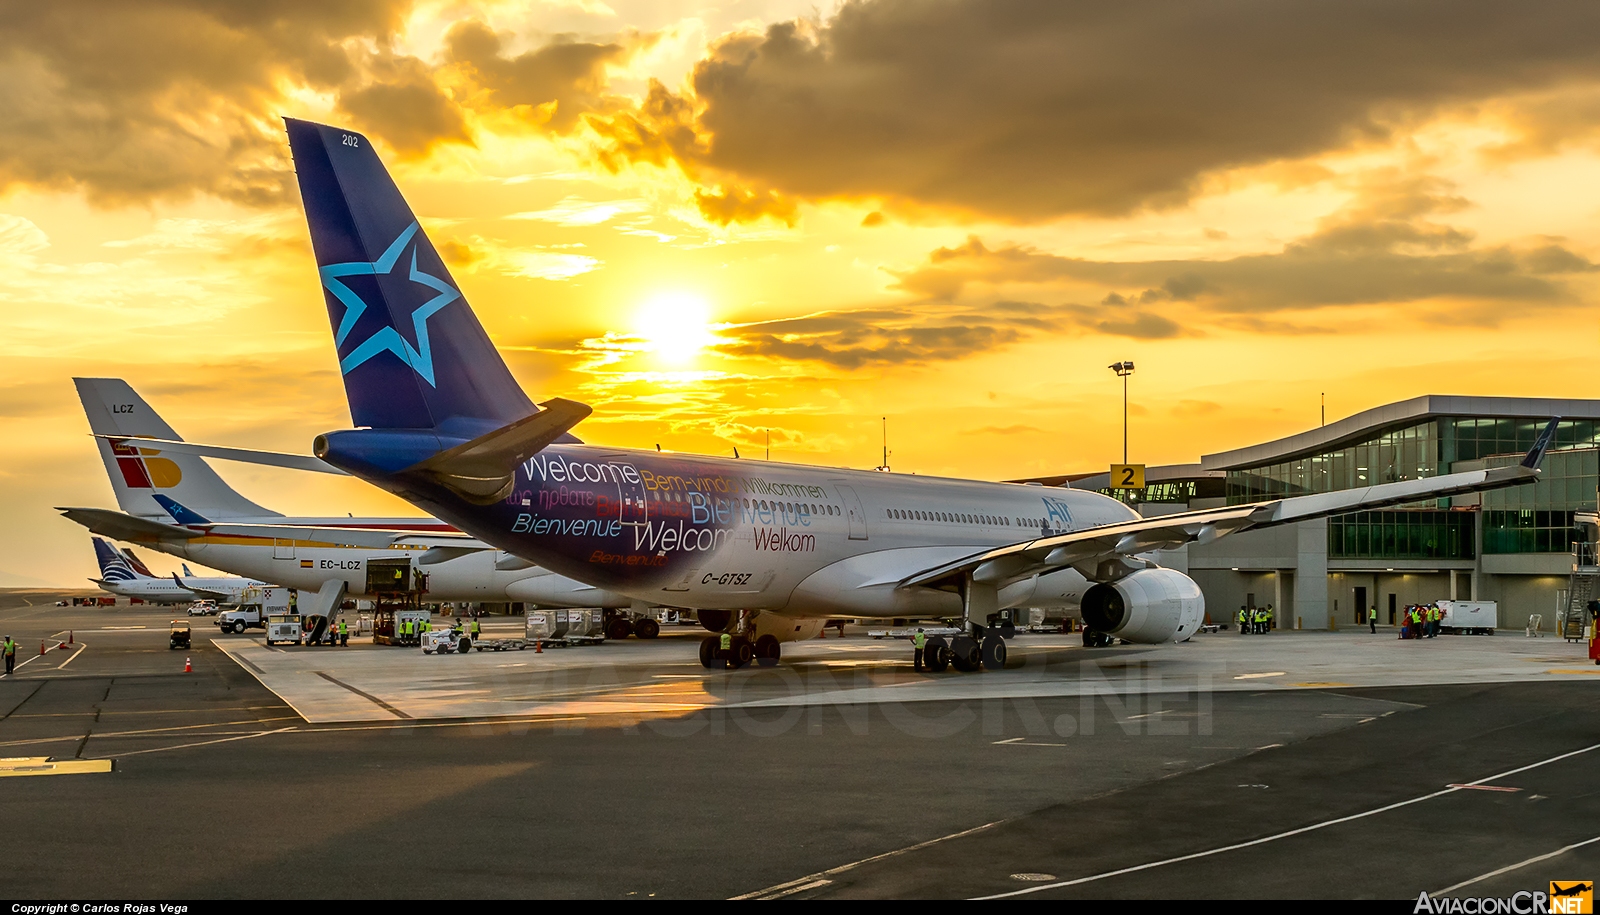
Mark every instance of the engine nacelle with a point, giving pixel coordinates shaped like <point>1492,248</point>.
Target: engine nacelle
<point>1149,606</point>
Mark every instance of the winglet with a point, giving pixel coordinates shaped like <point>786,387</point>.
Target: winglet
<point>1536,454</point>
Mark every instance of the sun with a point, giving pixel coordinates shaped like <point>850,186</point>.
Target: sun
<point>675,326</point>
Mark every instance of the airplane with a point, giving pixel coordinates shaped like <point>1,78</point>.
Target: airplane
<point>127,578</point>
<point>175,502</point>
<point>1577,889</point>
<point>765,551</point>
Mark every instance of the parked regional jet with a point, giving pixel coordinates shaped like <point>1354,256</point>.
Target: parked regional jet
<point>768,551</point>
<point>176,503</point>
<point>127,577</point>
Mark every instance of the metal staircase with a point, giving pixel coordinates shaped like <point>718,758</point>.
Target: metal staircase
<point>1582,587</point>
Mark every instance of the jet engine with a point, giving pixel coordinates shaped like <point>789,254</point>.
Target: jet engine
<point>1149,606</point>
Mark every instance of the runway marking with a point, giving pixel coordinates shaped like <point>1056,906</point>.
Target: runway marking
<point>11,767</point>
<point>119,628</point>
<point>1520,864</point>
<point>363,694</point>
<point>1584,671</point>
<point>1485,788</point>
<point>138,733</point>
<point>1019,742</point>
<point>1275,673</point>
<point>81,647</point>
<point>206,743</point>
<point>1288,833</point>
<point>319,729</point>
<point>832,872</point>
<point>796,889</point>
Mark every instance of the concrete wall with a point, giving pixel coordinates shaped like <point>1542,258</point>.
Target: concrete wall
<point>1522,595</point>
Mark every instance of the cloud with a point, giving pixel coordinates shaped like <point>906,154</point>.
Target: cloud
<point>547,265</point>
<point>132,101</point>
<point>575,211</point>
<point>1023,110</point>
<point>738,204</point>
<point>552,86</point>
<point>1002,430</point>
<point>405,107</point>
<point>1383,249</point>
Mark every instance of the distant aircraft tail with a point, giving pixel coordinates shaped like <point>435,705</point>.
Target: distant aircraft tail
<point>140,476</point>
<point>412,353</point>
<point>113,568</point>
<point>136,563</point>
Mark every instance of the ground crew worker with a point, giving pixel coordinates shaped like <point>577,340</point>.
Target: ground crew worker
<point>344,633</point>
<point>1372,619</point>
<point>727,650</point>
<point>477,629</point>
<point>1259,620</point>
<point>11,654</point>
<point>918,643</point>
<point>1244,620</point>
<point>1434,616</point>
<point>407,628</point>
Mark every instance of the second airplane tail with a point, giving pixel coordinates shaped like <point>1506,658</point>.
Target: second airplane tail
<point>141,476</point>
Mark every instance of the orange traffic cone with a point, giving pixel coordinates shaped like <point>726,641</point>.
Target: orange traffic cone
<point>69,636</point>
<point>187,667</point>
<point>538,646</point>
<point>41,649</point>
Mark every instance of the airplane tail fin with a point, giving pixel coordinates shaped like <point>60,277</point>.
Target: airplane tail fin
<point>136,563</point>
<point>411,351</point>
<point>140,475</point>
<point>113,567</point>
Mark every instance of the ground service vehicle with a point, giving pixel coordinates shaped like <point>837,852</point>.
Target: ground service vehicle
<point>284,628</point>
<point>180,634</point>
<point>1469,617</point>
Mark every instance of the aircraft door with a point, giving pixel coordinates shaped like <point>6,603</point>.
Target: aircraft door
<point>853,511</point>
<point>282,549</point>
<point>632,507</point>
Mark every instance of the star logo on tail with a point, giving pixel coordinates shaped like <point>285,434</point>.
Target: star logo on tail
<point>387,339</point>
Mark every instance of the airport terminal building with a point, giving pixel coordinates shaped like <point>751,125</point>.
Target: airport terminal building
<point>1514,546</point>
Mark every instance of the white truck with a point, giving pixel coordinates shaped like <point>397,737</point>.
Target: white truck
<point>1469,617</point>
<point>255,607</point>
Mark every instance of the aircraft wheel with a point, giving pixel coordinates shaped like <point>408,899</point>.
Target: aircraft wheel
<point>708,651</point>
<point>964,654</point>
<point>743,652</point>
<point>767,651</point>
<point>936,655</point>
<point>994,653</point>
<point>646,628</point>
<point>618,629</point>
<point>464,646</point>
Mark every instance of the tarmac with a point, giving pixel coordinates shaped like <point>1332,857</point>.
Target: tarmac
<point>1291,765</point>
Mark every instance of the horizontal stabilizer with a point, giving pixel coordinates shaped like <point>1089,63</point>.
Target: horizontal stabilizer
<point>483,470</point>
<point>128,528</point>
<point>242,455</point>
<point>373,538</point>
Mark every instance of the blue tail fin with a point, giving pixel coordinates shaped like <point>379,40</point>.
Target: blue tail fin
<point>412,353</point>
<point>112,566</point>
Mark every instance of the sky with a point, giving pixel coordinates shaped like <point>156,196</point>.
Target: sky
<point>728,224</point>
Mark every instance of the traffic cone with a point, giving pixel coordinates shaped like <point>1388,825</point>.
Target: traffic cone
<point>41,649</point>
<point>69,636</point>
<point>538,646</point>
<point>187,667</point>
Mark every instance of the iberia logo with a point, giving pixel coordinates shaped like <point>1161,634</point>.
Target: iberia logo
<point>141,469</point>
<point>1571,897</point>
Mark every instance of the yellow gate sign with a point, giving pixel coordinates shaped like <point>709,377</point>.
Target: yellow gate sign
<point>1127,476</point>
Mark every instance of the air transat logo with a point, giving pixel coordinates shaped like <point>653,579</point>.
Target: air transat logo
<point>388,339</point>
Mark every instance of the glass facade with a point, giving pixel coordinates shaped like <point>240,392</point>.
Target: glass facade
<point>1538,518</point>
<point>1174,491</point>
<point>1527,519</point>
<point>1403,535</point>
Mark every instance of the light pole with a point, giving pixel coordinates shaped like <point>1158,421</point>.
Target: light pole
<point>1123,370</point>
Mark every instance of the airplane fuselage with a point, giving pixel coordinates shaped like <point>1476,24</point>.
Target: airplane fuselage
<point>715,533</point>
<point>307,564</point>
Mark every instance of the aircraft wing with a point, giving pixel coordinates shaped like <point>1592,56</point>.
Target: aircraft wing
<point>201,592</point>
<point>125,527</point>
<point>228,453</point>
<point>1096,552</point>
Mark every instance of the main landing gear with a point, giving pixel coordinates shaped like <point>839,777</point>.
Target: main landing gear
<point>965,653</point>
<point>621,626</point>
<point>741,652</point>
